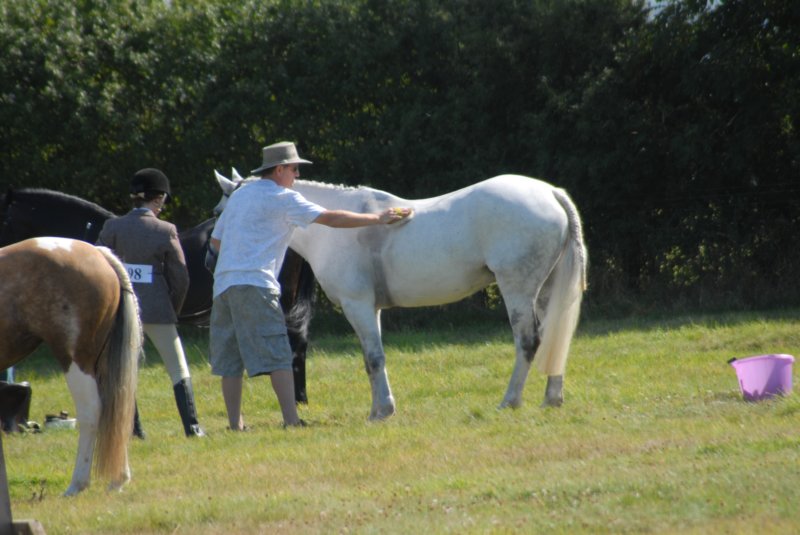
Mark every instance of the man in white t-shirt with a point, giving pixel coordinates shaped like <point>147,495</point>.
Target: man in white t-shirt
<point>248,329</point>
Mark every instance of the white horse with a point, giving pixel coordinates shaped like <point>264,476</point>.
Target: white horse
<point>521,232</point>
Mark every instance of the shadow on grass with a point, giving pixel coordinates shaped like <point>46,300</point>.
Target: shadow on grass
<point>41,362</point>
<point>418,329</point>
<point>45,365</point>
<point>651,322</point>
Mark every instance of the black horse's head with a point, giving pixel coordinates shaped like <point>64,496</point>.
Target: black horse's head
<point>31,212</point>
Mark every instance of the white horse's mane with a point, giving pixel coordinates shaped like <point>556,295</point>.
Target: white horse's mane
<point>328,185</point>
<point>315,183</point>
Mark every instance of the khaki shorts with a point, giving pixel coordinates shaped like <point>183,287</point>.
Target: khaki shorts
<point>248,332</point>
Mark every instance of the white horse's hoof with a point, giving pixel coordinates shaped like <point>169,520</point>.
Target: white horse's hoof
<point>75,489</point>
<point>510,403</point>
<point>116,486</point>
<point>552,402</point>
<point>382,414</point>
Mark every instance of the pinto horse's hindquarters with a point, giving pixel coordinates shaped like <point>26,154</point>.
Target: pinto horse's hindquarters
<point>65,295</point>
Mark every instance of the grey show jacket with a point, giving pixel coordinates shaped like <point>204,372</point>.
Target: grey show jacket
<point>141,239</point>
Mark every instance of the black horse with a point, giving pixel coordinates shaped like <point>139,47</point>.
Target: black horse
<point>31,212</point>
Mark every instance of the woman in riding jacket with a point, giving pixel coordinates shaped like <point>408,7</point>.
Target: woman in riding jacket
<point>152,253</point>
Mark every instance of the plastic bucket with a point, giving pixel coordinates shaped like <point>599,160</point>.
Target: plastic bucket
<point>764,376</point>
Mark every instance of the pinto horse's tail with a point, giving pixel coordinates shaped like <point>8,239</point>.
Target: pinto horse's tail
<point>568,282</point>
<point>117,375</point>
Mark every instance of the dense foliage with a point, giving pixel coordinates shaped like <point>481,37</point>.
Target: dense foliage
<point>674,129</point>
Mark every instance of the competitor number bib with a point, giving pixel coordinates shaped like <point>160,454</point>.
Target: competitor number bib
<point>141,273</point>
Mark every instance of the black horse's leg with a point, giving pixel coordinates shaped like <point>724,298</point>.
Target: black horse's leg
<point>299,346</point>
<point>138,431</point>
<point>298,286</point>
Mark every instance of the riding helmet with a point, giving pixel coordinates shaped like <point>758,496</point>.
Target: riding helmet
<point>150,179</point>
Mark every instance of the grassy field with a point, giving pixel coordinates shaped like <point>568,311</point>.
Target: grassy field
<point>653,438</point>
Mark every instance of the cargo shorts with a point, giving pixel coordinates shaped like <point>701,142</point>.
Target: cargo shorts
<point>248,332</point>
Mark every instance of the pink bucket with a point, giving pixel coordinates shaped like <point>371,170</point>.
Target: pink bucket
<point>764,376</point>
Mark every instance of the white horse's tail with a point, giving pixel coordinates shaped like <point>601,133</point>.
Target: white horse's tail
<point>567,286</point>
<point>117,379</point>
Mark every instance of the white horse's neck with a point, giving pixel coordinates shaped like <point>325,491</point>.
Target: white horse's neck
<point>338,196</point>
<point>328,195</point>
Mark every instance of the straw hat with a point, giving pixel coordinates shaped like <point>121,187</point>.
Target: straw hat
<point>283,153</point>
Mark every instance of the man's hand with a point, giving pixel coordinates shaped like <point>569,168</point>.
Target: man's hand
<point>393,215</point>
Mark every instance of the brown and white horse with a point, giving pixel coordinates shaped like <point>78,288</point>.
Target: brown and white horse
<point>77,299</point>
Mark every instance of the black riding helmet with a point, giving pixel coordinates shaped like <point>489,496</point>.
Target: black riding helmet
<point>149,179</point>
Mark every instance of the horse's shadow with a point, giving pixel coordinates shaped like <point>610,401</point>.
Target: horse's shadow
<point>660,322</point>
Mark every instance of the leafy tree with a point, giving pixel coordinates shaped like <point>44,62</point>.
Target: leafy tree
<point>674,129</point>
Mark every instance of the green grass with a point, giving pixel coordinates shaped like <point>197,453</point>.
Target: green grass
<point>653,438</point>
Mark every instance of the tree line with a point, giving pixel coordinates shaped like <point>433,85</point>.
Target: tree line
<point>674,129</point>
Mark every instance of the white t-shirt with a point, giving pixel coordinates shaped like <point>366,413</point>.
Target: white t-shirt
<point>255,229</point>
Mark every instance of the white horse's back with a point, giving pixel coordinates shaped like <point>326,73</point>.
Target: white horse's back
<point>450,249</point>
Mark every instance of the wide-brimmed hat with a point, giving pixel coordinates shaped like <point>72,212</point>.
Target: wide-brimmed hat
<point>283,153</point>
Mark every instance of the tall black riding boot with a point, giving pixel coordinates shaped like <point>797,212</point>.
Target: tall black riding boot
<point>15,404</point>
<point>138,432</point>
<point>184,398</point>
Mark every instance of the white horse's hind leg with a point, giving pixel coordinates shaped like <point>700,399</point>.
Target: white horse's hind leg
<point>553,394</point>
<point>83,388</point>
<point>366,323</point>
<point>526,340</point>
